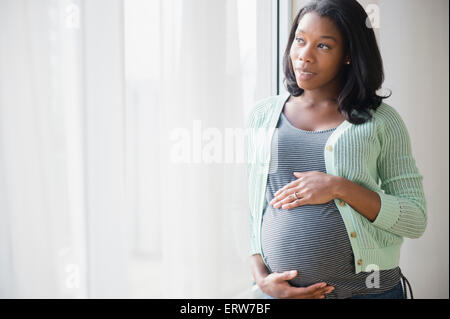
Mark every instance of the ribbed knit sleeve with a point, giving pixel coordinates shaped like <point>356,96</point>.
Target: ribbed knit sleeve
<point>403,205</point>
<point>251,188</point>
<point>252,167</point>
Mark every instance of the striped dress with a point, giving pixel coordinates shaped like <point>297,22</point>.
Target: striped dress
<point>311,238</point>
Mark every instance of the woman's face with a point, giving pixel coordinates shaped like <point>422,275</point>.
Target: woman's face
<point>317,48</point>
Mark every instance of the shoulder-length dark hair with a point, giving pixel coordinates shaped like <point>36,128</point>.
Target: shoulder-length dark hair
<point>364,75</point>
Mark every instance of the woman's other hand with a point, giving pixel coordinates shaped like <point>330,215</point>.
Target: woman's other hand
<point>277,285</point>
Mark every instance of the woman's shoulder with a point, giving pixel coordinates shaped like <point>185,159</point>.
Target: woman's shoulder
<point>388,119</point>
<point>261,107</point>
<point>386,112</point>
<point>263,104</point>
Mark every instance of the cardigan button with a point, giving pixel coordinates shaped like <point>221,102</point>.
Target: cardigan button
<point>329,148</point>
<point>360,262</point>
<point>341,203</point>
<point>353,234</point>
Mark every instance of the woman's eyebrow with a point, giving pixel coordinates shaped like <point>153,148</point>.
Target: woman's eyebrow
<point>322,36</point>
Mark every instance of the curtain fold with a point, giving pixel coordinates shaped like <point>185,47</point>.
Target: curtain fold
<point>41,212</point>
<point>201,205</point>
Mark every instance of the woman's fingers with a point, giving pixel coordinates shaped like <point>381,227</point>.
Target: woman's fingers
<point>285,198</point>
<point>315,291</point>
<point>287,275</point>
<point>321,292</point>
<point>286,187</point>
<point>298,202</point>
<point>289,202</point>
<point>324,291</point>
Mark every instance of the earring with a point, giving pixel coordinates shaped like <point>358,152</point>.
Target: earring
<point>348,62</point>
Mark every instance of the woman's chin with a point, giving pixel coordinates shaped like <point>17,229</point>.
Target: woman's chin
<point>304,86</point>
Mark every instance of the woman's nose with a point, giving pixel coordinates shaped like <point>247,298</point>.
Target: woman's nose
<point>304,55</point>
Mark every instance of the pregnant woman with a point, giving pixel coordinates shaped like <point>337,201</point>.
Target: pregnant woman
<point>333,185</point>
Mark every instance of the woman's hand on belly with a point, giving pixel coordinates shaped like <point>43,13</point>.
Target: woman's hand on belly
<point>311,188</point>
<point>276,285</point>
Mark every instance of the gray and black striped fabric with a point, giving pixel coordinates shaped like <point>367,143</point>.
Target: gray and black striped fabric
<point>311,238</point>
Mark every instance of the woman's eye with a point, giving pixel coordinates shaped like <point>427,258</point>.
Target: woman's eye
<point>324,46</point>
<point>321,45</point>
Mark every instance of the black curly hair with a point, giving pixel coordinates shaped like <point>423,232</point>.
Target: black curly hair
<point>364,76</point>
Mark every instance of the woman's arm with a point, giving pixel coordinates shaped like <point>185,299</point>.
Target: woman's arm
<point>259,269</point>
<point>401,207</point>
<point>361,199</point>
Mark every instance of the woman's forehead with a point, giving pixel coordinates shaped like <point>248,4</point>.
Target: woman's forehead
<point>313,24</point>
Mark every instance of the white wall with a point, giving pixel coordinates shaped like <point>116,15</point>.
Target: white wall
<point>414,46</point>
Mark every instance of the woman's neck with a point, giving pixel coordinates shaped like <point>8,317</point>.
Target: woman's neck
<point>320,97</point>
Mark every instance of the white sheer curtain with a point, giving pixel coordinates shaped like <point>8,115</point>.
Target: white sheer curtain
<point>191,76</point>
<point>42,215</point>
<point>116,176</point>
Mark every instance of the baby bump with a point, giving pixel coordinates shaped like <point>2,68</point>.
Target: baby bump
<point>311,239</point>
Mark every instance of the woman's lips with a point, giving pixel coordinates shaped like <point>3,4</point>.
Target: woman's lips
<point>305,76</point>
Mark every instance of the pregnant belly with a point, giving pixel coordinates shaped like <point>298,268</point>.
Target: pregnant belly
<point>311,239</point>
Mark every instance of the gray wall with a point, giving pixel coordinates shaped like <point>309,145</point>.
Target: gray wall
<point>414,46</point>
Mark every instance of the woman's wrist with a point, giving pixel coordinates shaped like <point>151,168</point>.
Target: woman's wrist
<point>259,270</point>
<point>363,200</point>
<point>261,280</point>
<point>338,185</point>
